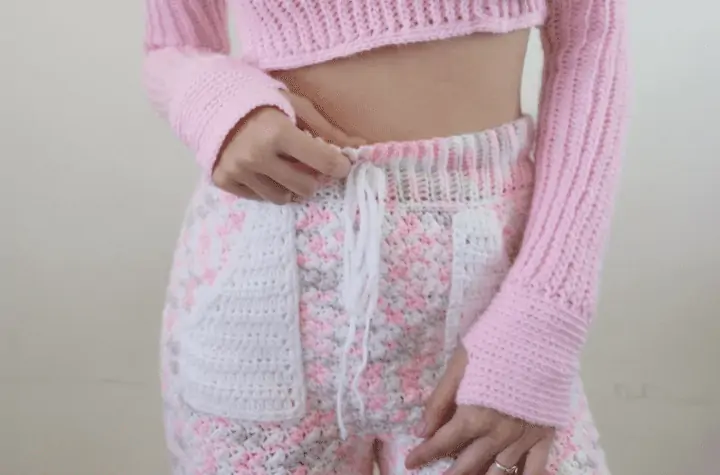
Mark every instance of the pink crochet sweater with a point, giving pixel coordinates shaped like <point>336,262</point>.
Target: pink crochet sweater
<point>524,352</point>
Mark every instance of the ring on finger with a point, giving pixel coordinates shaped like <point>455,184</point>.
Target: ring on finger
<point>507,470</point>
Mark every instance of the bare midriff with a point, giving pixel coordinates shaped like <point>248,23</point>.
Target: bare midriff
<point>420,90</point>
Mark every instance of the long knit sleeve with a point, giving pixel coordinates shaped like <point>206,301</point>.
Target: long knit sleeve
<point>524,351</point>
<point>193,82</point>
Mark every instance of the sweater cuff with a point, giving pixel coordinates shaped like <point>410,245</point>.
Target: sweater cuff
<point>523,357</point>
<point>216,99</point>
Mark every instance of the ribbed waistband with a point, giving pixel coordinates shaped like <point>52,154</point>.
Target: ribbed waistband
<point>456,168</point>
<point>462,168</point>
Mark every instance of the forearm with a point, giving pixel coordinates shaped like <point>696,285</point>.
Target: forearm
<point>193,82</point>
<point>524,351</point>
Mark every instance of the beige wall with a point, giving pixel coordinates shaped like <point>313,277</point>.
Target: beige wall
<point>92,189</point>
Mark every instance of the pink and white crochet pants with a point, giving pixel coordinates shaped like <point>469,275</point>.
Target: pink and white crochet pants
<point>303,339</point>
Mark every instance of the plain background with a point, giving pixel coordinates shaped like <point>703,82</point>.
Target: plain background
<point>93,187</point>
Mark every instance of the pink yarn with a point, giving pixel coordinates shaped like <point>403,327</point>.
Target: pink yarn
<point>524,352</point>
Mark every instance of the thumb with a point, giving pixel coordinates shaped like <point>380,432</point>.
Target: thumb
<point>312,120</point>
<point>440,405</point>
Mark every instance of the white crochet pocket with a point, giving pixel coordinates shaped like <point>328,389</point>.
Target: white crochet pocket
<point>479,265</point>
<point>240,350</point>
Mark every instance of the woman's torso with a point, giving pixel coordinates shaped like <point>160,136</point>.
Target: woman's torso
<point>420,90</point>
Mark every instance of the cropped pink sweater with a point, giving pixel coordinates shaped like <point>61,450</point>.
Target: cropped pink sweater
<point>524,352</point>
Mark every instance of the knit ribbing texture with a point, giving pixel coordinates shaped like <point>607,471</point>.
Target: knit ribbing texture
<point>524,351</point>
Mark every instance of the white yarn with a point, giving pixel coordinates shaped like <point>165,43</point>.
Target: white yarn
<point>253,309</point>
<point>365,195</point>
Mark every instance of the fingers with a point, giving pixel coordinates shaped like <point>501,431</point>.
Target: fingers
<point>225,182</point>
<point>446,441</point>
<point>441,403</point>
<point>504,434</point>
<point>313,153</point>
<point>511,456</point>
<point>452,437</point>
<point>537,457</point>
<point>241,191</point>
<point>479,435</point>
<point>267,189</point>
<point>251,186</point>
<point>299,181</point>
<point>253,164</point>
<point>477,454</point>
<point>318,125</point>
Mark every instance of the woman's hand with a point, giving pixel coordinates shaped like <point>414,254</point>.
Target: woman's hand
<point>478,437</point>
<point>268,158</point>
<point>311,120</point>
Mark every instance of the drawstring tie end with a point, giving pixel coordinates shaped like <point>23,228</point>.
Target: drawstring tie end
<point>365,196</point>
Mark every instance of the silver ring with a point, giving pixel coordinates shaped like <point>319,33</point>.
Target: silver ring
<point>508,470</point>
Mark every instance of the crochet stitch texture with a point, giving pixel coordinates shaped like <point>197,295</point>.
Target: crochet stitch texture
<point>524,351</point>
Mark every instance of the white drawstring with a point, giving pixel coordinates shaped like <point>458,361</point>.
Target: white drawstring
<point>365,195</point>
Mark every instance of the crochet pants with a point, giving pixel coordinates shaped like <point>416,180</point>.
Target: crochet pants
<point>303,339</point>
